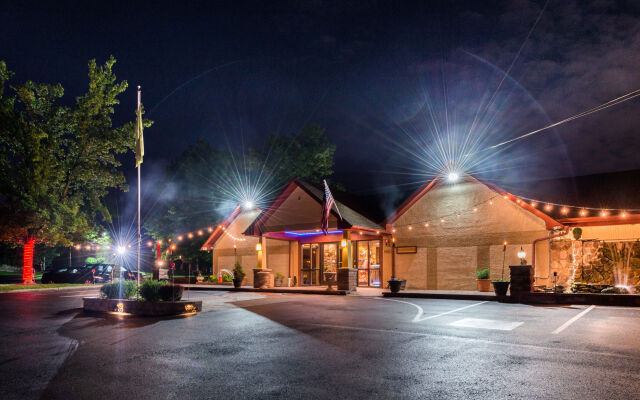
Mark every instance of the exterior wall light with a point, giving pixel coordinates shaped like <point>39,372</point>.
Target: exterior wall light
<point>453,177</point>
<point>343,243</point>
<point>258,246</point>
<point>522,256</point>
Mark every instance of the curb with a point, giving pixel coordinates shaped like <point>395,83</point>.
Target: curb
<point>446,296</point>
<point>50,290</point>
<point>620,300</point>
<point>274,290</point>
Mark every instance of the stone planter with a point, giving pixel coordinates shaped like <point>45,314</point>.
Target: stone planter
<point>484,285</point>
<point>142,308</point>
<point>500,288</point>
<point>262,278</point>
<point>395,285</point>
<point>278,282</point>
<point>330,278</point>
<point>199,279</point>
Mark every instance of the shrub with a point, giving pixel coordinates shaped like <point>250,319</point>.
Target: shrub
<point>226,277</point>
<point>482,273</point>
<point>213,278</point>
<point>170,292</point>
<point>119,289</point>
<point>278,275</point>
<point>149,290</point>
<point>577,233</point>
<point>238,272</point>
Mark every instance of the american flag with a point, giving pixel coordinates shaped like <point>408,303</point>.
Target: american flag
<point>327,205</point>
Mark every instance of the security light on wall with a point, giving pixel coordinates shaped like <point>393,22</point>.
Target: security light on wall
<point>453,177</point>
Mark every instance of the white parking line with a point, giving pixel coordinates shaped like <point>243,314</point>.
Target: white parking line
<point>419,318</point>
<point>572,320</point>
<point>475,340</point>
<point>487,324</point>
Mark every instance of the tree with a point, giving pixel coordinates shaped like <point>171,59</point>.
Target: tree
<point>307,155</point>
<point>57,162</point>
<point>209,183</point>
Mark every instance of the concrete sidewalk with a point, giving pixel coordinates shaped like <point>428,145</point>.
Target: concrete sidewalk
<point>300,289</point>
<point>445,294</point>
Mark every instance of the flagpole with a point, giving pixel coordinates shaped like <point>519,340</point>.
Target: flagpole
<point>139,236</point>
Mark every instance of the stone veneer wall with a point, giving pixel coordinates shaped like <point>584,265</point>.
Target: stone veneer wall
<point>581,261</point>
<point>566,259</point>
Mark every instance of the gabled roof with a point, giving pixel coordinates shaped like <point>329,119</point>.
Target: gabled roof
<point>350,217</point>
<point>208,244</point>
<point>429,185</point>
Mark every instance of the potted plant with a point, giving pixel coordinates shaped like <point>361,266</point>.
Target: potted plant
<point>278,279</point>
<point>577,233</point>
<point>500,286</point>
<point>238,275</point>
<point>482,278</point>
<point>395,284</point>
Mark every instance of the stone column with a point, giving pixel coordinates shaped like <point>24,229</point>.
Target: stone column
<point>262,276</point>
<point>347,275</point>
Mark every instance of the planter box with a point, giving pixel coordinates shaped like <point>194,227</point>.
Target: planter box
<point>262,278</point>
<point>143,308</point>
<point>484,285</point>
<point>183,281</point>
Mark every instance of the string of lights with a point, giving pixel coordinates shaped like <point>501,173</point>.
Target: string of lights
<point>565,209</point>
<point>443,218</point>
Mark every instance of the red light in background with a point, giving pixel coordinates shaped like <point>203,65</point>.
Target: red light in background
<point>27,261</point>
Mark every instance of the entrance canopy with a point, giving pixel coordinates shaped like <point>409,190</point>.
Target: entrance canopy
<point>296,214</point>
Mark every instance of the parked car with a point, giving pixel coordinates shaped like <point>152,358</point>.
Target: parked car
<point>90,273</point>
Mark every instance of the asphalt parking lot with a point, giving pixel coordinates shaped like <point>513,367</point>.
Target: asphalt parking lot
<point>256,345</point>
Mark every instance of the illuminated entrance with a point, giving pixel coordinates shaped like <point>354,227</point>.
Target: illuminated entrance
<point>318,258</point>
<point>368,263</point>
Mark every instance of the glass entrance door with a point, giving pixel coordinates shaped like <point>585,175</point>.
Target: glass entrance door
<point>310,270</point>
<point>368,263</point>
<point>330,260</point>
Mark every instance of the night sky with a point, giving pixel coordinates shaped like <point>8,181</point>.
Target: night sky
<point>382,77</point>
